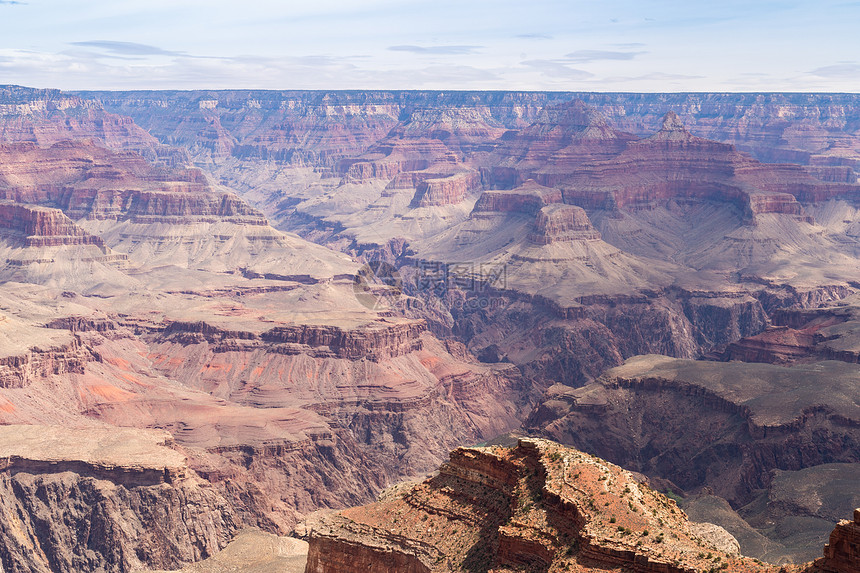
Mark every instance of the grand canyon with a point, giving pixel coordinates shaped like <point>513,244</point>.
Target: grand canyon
<point>385,331</point>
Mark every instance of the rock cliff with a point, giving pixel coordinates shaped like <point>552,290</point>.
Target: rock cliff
<point>537,506</point>
<point>751,429</point>
<point>43,227</point>
<point>840,554</point>
<point>562,223</point>
<point>86,180</point>
<point>100,499</point>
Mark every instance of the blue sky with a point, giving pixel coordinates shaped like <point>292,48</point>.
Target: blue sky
<point>601,45</point>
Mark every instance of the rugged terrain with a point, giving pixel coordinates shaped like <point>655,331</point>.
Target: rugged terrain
<point>103,499</point>
<point>536,507</point>
<point>519,243</point>
<point>679,243</point>
<point>143,295</point>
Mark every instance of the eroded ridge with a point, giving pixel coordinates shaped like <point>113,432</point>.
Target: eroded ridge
<point>538,506</point>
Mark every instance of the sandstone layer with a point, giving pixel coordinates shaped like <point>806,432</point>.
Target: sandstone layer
<point>536,507</point>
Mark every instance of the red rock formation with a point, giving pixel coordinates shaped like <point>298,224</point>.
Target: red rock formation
<point>777,345</point>
<point>126,504</point>
<point>449,190</point>
<point>796,335</point>
<point>675,164</point>
<point>538,506</point>
<point>43,227</point>
<point>36,364</point>
<point>527,198</point>
<point>562,138</point>
<point>89,181</point>
<point>373,341</point>
<point>46,117</point>
<point>561,222</point>
<point>393,156</point>
<point>842,553</point>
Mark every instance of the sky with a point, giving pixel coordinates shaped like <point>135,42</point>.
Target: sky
<point>572,45</point>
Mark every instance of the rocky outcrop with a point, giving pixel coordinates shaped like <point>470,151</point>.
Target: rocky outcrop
<point>537,505</point>
<point>374,341</point>
<point>43,227</point>
<point>782,203</point>
<point>528,198</point>
<point>103,500</point>
<point>842,553</point>
<point>36,364</point>
<point>446,191</point>
<point>776,345</point>
<point>653,415</point>
<point>801,335</point>
<point>562,223</point>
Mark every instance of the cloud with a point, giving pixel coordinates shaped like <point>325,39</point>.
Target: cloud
<point>557,69</point>
<point>847,70</point>
<point>654,76</point>
<point>534,36</point>
<point>12,3</point>
<point>586,56</point>
<point>127,48</point>
<point>437,50</point>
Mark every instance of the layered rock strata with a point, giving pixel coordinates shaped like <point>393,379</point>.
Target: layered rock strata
<point>842,553</point>
<point>702,424</point>
<point>100,499</point>
<point>538,506</point>
<point>43,227</point>
<point>562,223</point>
<point>85,180</point>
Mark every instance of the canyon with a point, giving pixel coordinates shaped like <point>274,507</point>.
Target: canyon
<point>316,295</point>
<point>537,507</point>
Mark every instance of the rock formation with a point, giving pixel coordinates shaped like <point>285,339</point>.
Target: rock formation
<point>754,428</point>
<point>551,237</point>
<point>562,223</point>
<point>538,506</point>
<point>841,554</point>
<point>103,499</point>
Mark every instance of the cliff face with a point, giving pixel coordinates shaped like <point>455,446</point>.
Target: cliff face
<point>562,223</point>
<point>86,180</point>
<point>365,405</point>
<point>841,554</point>
<point>114,508</point>
<point>373,342</point>
<point>46,117</point>
<point>322,127</point>
<point>43,227</point>
<point>451,190</point>
<point>714,433</point>
<point>538,505</point>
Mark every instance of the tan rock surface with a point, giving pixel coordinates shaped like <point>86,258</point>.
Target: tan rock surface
<point>253,551</point>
